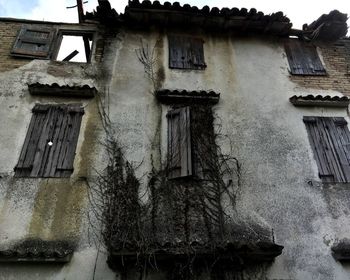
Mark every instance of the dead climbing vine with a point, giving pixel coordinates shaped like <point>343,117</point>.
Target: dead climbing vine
<point>146,56</point>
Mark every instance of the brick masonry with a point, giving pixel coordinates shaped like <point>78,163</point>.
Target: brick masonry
<point>336,60</point>
<point>8,34</point>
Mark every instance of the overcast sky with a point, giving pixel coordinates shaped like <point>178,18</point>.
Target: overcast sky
<point>299,11</point>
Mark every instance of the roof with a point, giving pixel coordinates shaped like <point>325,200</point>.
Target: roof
<point>64,90</point>
<point>182,96</point>
<point>319,100</point>
<point>37,250</point>
<point>146,13</point>
<point>231,253</point>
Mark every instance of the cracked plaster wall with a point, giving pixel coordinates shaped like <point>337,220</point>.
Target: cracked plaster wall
<point>268,134</point>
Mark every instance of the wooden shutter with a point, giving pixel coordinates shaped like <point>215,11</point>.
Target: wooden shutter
<point>303,58</point>
<point>197,53</point>
<point>186,53</point>
<point>179,143</point>
<point>330,139</point>
<point>33,42</point>
<point>58,125</point>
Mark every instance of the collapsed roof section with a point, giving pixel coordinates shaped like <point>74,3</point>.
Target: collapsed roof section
<point>327,27</point>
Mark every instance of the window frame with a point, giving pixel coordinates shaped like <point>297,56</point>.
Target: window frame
<point>73,32</point>
<point>303,58</point>
<point>329,138</point>
<point>190,46</point>
<point>56,123</point>
<point>18,51</point>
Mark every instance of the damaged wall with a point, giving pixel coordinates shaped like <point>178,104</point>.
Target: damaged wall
<point>46,212</point>
<point>280,188</point>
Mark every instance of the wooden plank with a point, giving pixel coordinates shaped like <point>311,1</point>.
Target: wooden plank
<point>197,53</point>
<point>73,141</point>
<point>34,140</point>
<point>318,143</point>
<point>293,56</point>
<point>174,166</point>
<point>185,142</point>
<point>25,148</point>
<point>65,144</point>
<point>54,148</point>
<point>63,131</point>
<point>330,150</point>
<point>337,149</point>
<point>42,143</point>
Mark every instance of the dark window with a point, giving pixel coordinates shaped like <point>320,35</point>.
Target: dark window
<point>330,141</point>
<point>186,53</point>
<point>49,147</point>
<point>303,58</point>
<point>191,144</point>
<point>33,42</point>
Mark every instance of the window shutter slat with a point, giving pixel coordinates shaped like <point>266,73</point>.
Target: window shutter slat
<point>331,148</point>
<point>72,140</point>
<point>317,144</point>
<point>27,141</point>
<point>42,145</point>
<point>174,164</point>
<point>197,52</point>
<point>185,149</point>
<point>341,143</point>
<point>179,143</point>
<point>54,149</point>
<point>33,42</point>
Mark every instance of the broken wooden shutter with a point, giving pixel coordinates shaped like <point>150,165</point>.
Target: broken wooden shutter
<point>303,58</point>
<point>186,53</point>
<point>330,138</point>
<point>49,147</point>
<point>179,143</point>
<point>33,42</point>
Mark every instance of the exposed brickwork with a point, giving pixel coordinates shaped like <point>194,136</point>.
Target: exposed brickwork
<point>337,63</point>
<point>8,34</point>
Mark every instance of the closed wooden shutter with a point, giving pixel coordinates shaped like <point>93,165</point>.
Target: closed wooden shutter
<point>33,42</point>
<point>49,147</point>
<point>186,53</point>
<point>179,143</point>
<point>303,58</point>
<point>330,140</point>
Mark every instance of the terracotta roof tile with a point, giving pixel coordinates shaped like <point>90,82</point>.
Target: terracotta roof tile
<point>319,100</point>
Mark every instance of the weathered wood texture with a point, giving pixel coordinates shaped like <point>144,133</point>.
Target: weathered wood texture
<point>330,141</point>
<point>179,143</point>
<point>303,58</point>
<point>49,147</point>
<point>33,42</point>
<point>186,52</point>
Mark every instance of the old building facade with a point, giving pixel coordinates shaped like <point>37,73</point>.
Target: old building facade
<point>188,144</point>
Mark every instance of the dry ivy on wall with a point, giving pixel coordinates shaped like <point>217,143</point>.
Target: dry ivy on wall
<point>182,217</point>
